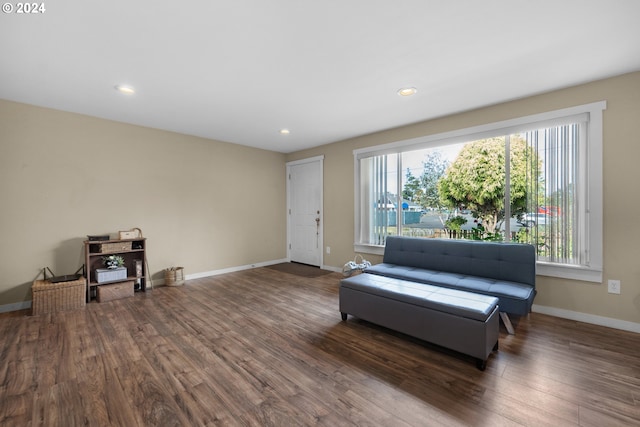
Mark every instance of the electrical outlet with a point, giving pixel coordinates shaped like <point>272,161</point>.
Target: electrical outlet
<point>328,249</point>
<point>614,286</point>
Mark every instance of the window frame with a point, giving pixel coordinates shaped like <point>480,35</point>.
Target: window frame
<point>593,174</point>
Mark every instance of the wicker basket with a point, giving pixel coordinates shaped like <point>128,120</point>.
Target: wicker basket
<point>174,276</point>
<point>109,248</point>
<point>50,297</point>
<point>115,291</point>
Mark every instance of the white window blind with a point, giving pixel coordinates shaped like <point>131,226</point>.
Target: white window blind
<point>562,215</point>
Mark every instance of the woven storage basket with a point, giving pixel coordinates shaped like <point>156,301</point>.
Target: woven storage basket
<point>174,276</point>
<point>108,248</point>
<point>115,291</point>
<point>50,297</point>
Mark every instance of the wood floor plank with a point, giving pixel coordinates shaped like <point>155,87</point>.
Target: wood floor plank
<point>263,347</point>
<point>93,402</point>
<point>56,405</point>
<point>150,396</point>
<point>15,410</point>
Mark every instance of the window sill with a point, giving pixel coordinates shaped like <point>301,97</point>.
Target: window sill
<point>563,271</point>
<point>368,249</point>
<point>572,272</point>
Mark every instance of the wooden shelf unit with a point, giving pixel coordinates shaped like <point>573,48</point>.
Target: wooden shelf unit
<point>93,260</point>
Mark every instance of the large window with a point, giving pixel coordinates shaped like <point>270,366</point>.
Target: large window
<point>536,180</point>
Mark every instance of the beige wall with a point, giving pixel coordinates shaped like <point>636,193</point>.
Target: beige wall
<point>621,202</point>
<point>202,204</point>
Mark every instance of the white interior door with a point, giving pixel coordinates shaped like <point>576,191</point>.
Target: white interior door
<point>305,223</point>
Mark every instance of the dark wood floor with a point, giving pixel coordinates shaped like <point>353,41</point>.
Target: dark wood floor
<point>267,348</point>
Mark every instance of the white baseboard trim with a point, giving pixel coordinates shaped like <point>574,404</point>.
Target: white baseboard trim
<point>160,282</point>
<point>15,306</point>
<point>329,268</point>
<point>230,269</point>
<point>587,318</point>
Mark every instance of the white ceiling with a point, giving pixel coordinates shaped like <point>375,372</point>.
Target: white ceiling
<point>240,70</point>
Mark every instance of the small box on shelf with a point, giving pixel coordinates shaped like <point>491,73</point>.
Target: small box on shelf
<point>112,247</point>
<point>105,275</point>
<point>131,234</point>
<point>114,291</point>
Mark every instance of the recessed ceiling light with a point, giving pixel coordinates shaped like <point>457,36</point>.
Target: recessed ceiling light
<point>285,131</point>
<point>407,91</point>
<point>127,90</point>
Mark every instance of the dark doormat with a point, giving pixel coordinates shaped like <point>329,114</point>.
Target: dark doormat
<point>302,270</point>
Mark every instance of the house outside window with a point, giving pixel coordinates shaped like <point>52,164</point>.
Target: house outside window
<point>460,185</point>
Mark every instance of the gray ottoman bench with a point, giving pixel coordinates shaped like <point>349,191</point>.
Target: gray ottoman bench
<point>458,320</point>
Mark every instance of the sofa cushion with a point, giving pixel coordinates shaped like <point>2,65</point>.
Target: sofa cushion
<point>514,297</point>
